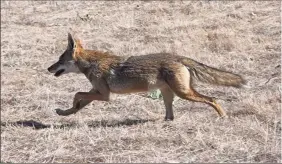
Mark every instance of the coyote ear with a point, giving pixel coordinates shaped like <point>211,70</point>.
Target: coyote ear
<point>77,49</point>
<point>70,41</point>
<point>78,44</point>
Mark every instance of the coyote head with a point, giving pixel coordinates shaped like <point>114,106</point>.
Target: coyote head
<point>66,62</point>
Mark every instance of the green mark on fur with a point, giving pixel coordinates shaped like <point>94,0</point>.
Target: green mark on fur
<point>156,94</point>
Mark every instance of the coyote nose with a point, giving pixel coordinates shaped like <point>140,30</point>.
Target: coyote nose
<point>49,69</point>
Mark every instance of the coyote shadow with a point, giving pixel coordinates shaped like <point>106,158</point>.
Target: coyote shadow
<point>93,124</point>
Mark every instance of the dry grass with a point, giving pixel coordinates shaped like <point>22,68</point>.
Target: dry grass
<point>242,36</point>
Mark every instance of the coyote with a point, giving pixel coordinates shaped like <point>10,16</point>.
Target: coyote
<point>108,73</point>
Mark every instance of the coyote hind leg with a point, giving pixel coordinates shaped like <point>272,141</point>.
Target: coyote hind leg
<point>180,83</point>
<point>168,99</point>
<point>197,97</point>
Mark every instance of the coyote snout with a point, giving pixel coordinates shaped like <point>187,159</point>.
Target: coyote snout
<point>108,73</point>
<point>60,68</point>
<point>57,69</point>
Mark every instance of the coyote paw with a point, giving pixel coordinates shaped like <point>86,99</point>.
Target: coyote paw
<point>61,112</point>
<point>169,118</point>
<point>224,117</point>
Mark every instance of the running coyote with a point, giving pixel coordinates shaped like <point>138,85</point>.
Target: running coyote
<point>108,73</point>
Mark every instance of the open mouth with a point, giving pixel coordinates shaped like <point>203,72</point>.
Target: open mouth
<point>58,73</point>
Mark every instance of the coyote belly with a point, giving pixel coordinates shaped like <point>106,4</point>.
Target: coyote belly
<point>170,73</point>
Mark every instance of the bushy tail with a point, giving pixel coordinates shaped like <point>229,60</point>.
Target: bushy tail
<point>212,75</point>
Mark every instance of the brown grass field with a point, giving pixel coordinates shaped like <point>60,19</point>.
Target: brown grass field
<point>242,36</point>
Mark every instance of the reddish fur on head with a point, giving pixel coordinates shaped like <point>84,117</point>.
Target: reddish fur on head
<point>78,50</point>
<point>80,53</point>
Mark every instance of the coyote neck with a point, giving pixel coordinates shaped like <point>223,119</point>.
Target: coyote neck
<point>100,62</point>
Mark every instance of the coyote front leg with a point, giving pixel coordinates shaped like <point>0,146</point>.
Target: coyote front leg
<point>81,99</point>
